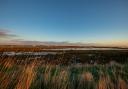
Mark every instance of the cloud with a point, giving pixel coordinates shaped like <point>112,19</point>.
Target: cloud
<point>47,43</point>
<point>8,38</point>
<point>5,34</point>
<point>50,43</point>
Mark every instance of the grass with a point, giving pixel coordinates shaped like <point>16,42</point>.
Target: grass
<point>37,76</point>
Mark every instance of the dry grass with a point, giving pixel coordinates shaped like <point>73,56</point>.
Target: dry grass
<point>37,76</point>
<point>26,77</point>
<point>122,84</point>
<point>87,76</point>
<point>105,83</point>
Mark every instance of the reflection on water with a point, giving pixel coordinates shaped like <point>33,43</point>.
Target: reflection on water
<point>28,53</point>
<point>86,49</point>
<point>48,51</point>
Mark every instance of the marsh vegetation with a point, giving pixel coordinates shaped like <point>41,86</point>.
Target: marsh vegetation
<point>65,70</point>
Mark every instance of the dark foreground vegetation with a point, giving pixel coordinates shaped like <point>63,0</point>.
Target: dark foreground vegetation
<point>47,76</point>
<point>72,69</point>
<point>69,57</point>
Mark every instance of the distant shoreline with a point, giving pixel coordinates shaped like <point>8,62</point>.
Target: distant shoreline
<point>31,48</point>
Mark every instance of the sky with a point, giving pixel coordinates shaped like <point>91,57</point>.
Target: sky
<point>85,21</point>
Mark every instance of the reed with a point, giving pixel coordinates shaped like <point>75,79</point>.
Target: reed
<point>35,75</point>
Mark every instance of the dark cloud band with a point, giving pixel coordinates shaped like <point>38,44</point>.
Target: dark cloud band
<point>6,34</point>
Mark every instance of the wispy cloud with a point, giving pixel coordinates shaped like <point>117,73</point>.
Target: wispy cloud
<point>6,34</point>
<point>7,37</point>
<point>49,43</point>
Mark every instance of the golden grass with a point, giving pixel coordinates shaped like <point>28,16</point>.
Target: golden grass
<point>87,76</point>
<point>122,84</point>
<point>105,83</point>
<point>56,77</point>
<point>26,77</point>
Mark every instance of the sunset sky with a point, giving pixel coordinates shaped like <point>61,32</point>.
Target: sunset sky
<point>85,21</point>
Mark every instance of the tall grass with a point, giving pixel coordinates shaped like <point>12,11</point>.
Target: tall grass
<point>35,75</point>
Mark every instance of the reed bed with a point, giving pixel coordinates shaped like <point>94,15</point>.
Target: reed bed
<point>47,76</point>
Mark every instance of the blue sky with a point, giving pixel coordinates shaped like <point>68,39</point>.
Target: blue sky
<point>87,21</point>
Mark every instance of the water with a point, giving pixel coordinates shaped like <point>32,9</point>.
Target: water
<point>28,53</point>
<point>55,51</point>
<point>85,49</point>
